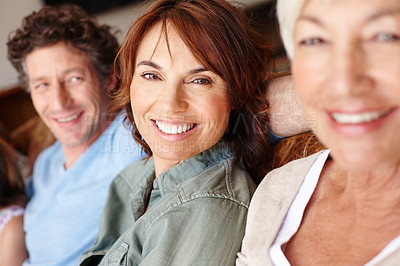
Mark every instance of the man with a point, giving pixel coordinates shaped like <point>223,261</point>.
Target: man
<point>65,60</point>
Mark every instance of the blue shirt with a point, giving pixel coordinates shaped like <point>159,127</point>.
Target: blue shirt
<point>63,215</point>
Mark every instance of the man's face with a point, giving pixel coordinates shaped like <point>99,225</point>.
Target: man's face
<point>67,93</point>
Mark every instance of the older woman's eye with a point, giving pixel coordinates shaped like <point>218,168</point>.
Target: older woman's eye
<point>150,76</point>
<point>202,81</point>
<point>387,37</point>
<point>312,41</point>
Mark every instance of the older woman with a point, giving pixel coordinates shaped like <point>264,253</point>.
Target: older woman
<point>337,207</point>
<point>192,86</point>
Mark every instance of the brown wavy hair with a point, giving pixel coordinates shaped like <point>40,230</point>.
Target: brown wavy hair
<point>65,23</point>
<point>295,147</point>
<point>220,37</point>
<point>12,187</point>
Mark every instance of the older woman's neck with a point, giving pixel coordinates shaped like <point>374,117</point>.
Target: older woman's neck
<point>377,191</point>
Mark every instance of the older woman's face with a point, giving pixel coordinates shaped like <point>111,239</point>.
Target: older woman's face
<point>180,107</point>
<point>347,70</point>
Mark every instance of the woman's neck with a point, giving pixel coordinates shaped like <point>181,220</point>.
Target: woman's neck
<point>161,165</point>
<point>376,192</point>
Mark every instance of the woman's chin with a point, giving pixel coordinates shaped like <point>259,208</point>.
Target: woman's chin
<point>358,160</point>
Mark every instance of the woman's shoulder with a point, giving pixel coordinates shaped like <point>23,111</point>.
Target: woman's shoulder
<point>280,186</point>
<point>270,204</point>
<point>135,171</point>
<point>224,180</point>
<point>290,175</point>
<point>14,224</point>
<point>12,241</point>
<point>8,213</point>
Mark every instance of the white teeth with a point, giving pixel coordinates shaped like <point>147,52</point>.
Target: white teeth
<point>358,118</point>
<point>67,119</point>
<point>174,129</point>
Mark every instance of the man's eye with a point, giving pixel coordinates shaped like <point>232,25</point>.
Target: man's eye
<point>150,76</point>
<point>73,80</point>
<point>76,79</point>
<point>40,86</point>
<point>202,81</point>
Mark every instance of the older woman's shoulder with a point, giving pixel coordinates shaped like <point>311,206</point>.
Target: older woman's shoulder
<point>282,184</point>
<point>290,175</point>
<point>269,207</point>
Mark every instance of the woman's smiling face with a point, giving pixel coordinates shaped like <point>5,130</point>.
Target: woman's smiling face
<point>347,73</point>
<point>180,108</point>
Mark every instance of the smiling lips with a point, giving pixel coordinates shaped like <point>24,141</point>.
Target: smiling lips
<point>68,119</point>
<point>174,129</point>
<point>358,118</point>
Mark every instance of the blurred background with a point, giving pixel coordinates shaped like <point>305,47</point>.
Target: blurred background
<point>19,123</point>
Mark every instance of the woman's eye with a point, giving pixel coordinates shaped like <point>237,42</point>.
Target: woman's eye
<point>312,41</point>
<point>202,81</point>
<point>387,37</point>
<point>150,76</point>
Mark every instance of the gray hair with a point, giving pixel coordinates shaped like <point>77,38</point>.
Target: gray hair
<point>288,12</point>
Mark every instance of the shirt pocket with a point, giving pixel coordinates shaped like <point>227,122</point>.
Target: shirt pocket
<point>118,257</point>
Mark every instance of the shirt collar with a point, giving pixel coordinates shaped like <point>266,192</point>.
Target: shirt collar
<point>170,179</point>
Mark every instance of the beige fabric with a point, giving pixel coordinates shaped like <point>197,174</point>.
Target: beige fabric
<point>268,209</point>
<point>392,260</point>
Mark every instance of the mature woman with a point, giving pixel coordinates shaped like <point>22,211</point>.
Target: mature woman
<point>337,207</point>
<point>192,86</point>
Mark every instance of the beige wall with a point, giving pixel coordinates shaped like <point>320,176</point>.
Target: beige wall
<point>12,12</point>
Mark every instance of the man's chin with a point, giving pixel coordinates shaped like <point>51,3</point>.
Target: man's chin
<point>73,142</point>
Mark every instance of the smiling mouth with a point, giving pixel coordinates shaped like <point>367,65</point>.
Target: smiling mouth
<point>174,129</point>
<point>358,118</point>
<point>68,119</point>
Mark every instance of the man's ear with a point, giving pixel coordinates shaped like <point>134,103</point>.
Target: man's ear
<point>111,83</point>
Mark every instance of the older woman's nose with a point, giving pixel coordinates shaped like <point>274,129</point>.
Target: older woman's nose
<point>349,71</point>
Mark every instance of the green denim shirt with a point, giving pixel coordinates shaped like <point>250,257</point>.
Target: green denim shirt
<point>196,213</point>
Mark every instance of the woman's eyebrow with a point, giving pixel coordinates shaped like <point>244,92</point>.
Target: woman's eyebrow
<point>310,19</point>
<point>156,66</point>
<point>149,63</point>
<point>383,13</point>
<point>372,17</point>
<point>198,70</point>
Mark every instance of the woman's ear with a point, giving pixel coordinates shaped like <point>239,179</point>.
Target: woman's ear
<point>111,83</point>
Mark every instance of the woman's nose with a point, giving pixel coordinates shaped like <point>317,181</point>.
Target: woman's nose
<point>174,97</point>
<point>349,71</point>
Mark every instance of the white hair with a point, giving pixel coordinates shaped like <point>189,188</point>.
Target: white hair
<point>288,12</point>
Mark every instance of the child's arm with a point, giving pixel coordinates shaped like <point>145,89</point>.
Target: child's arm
<point>12,243</point>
